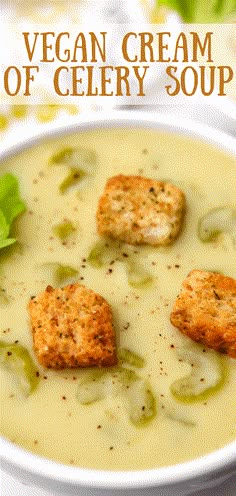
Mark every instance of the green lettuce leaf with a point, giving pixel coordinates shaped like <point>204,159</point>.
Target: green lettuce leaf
<point>201,11</point>
<point>4,226</point>
<point>6,242</point>
<point>11,205</point>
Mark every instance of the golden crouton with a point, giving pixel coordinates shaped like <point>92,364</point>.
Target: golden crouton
<point>138,210</point>
<point>205,310</point>
<point>72,327</point>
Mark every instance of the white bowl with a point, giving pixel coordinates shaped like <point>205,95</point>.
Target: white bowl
<point>176,480</point>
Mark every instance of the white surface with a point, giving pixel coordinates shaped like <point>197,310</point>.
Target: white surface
<point>11,487</point>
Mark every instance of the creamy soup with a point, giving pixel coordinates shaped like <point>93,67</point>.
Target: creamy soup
<point>51,421</point>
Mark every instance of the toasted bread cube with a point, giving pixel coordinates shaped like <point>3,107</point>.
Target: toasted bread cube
<point>205,310</point>
<point>72,327</point>
<point>138,210</point>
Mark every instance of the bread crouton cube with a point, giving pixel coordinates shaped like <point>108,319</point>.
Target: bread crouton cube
<point>205,310</point>
<point>139,210</point>
<point>72,327</point>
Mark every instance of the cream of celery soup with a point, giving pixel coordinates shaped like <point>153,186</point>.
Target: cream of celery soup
<point>61,181</point>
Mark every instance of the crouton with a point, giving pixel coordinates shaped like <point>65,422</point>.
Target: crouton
<point>72,327</point>
<point>138,210</point>
<point>205,310</point>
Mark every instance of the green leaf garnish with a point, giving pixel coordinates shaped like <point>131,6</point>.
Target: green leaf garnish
<point>4,227</point>
<point>11,206</point>
<point>18,361</point>
<point>201,11</point>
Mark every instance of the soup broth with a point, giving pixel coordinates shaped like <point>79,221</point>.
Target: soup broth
<point>51,422</point>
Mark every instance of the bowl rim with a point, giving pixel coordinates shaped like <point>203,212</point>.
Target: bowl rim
<point>220,459</point>
<point>123,118</point>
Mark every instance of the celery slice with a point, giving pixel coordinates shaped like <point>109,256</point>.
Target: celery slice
<point>131,358</point>
<point>65,273</point>
<point>101,383</point>
<point>75,175</point>
<point>208,375</point>
<point>95,257</point>
<point>142,404</point>
<point>64,230</point>
<point>74,157</point>
<point>216,221</point>
<point>81,162</point>
<point>180,419</point>
<point>103,252</point>
<point>122,382</point>
<point>138,277</point>
<point>126,376</point>
<point>62,274</point>
<point>93,388</point>
<point>18,361</point>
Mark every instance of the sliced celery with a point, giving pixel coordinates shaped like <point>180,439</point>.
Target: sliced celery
<point>7,242</point>
<point>179,418</point>
<point>62,274</point>
<point>74,157</point>
<point>73,177</point>
<point>216,221</point>
<point>138,277</point>
<point>18,361</point>
<point>95,257</point>
<point>63,230</point>
<point>130,357</point>
<point>208,374</point>
<point>65,273</point>
<point>126,376</point>
<point>101,383</point>
<point>92,389</point>
<point>142,403</point>
<point>122,382</point>
<point>105,251</point>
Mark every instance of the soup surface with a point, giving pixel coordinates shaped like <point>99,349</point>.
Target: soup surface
<point>51,422</point>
